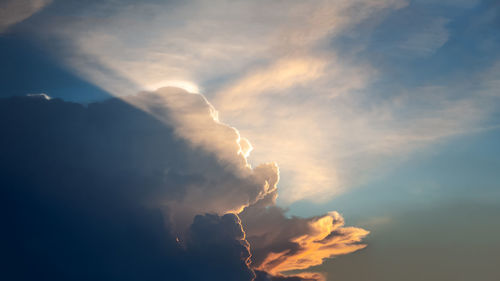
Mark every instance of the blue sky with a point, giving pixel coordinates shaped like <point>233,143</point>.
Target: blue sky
<point>386,111</point>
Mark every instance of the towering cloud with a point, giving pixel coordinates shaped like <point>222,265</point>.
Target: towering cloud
<point>146,188</point>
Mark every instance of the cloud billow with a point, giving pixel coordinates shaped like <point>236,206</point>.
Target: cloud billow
<point>109,192</point>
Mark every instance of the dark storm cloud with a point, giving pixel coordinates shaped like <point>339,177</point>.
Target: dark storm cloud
<point>145,188</point>
<point>181,161</point>
<point>74,181</point>
<point>82,189</point>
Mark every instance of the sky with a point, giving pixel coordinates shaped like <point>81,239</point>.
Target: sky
<point>251,140</point>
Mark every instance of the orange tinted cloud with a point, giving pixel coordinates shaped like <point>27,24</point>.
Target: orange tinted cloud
<point>280,243</point>
<point>327,237</point>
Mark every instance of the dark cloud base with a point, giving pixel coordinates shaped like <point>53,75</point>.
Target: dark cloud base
<point>75,185</point>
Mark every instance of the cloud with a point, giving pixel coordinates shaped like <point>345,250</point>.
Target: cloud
<point>15,11</point>
<point>281,244</point>
<point>78,187</point>
<point>144,188</point>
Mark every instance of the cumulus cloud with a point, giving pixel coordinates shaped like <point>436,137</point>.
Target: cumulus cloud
<point>146,188</point>
<point>15,11</point>
<point>194,120</point>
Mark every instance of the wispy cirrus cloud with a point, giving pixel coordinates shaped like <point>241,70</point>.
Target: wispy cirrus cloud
<point>259,52</point>
<point>326,116</point>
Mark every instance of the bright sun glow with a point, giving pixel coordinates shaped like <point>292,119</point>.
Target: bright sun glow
<point>186,85</point>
